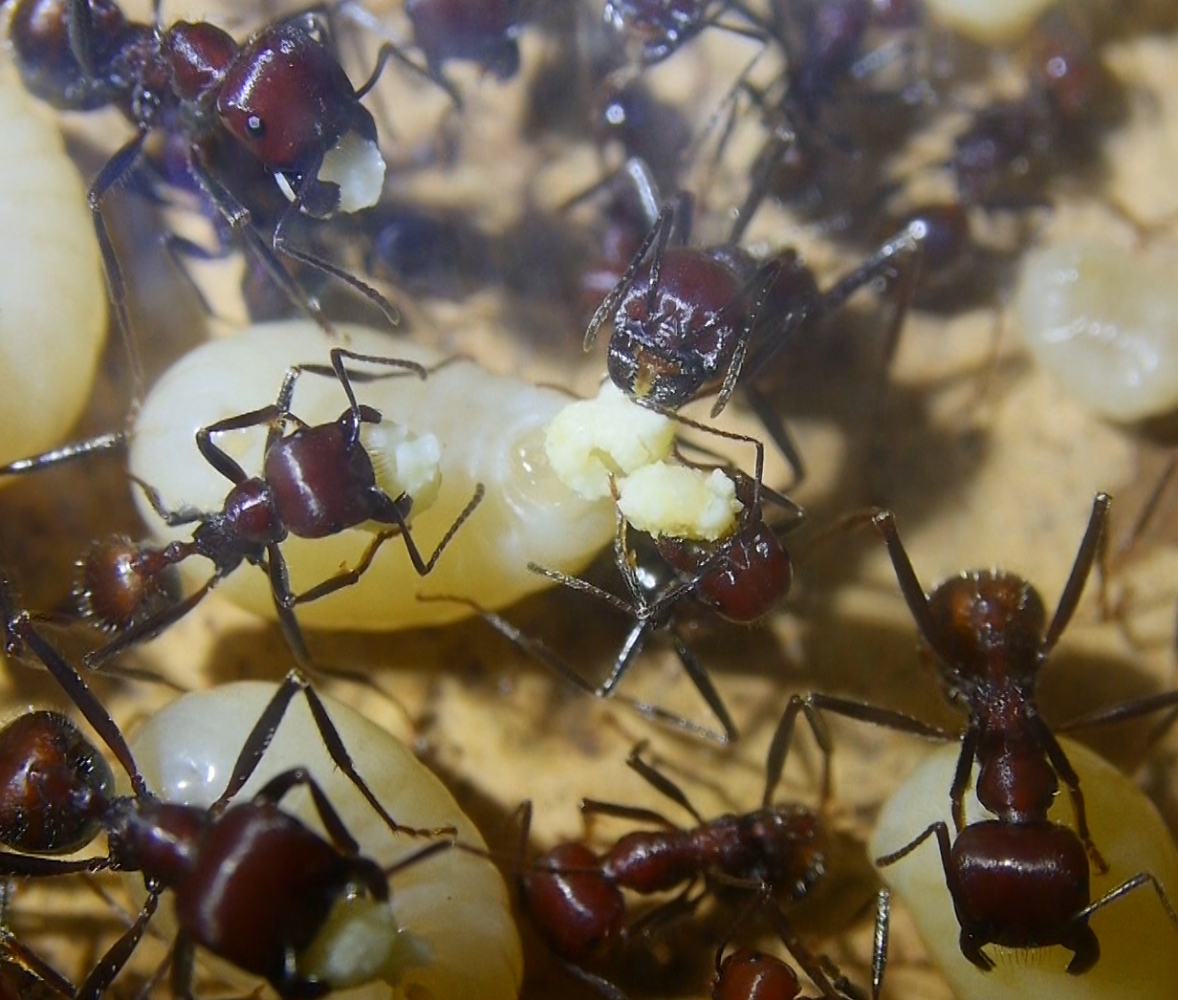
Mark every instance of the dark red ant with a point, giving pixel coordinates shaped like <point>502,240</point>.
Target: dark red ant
<point>657,29</point>
<point>316,481</point>
<point>767,858</point>
<point>688,321</point>
<point>282,98</point>
<point>740,577</point>
<point>251,883</point>
<point>1019,880</point>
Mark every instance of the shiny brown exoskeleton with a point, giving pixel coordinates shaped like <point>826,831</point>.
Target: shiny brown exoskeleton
<point>250,882</point>
<point>657,29</point>
<point>769,858</point>
<point>316,480</point>
<point>740,577</point>
<point>688,321</point>
<point>281,97</point>
<point>1019,880</point>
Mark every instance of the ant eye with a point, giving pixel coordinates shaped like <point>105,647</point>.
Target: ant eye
<point>254,126</point>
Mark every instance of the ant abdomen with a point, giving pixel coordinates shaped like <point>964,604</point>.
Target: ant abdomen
<point>752,975</point>
<point>53,785</point>
<point>46,61</point>
<point>118,584</point>
<point>1021,886</point>
<point>573,905</point>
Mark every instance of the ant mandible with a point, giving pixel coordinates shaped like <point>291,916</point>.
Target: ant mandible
<point>316,481</point>
<point>251,883</point>
<point>776,853</point>
<point>740,577</point>
<point>282,98</point>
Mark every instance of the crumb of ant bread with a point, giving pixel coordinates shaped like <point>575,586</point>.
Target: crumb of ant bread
<point>679,501</point>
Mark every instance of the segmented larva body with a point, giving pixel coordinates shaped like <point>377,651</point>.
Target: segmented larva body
<point>52,299</point>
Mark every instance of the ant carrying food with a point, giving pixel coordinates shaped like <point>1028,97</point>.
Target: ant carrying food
<point>689,321</point>
<point>1019,880</point>
<point>251,883</point>
<point>761,860</point>
<point>741,577</point>
<point>281,98</point>
<point>316,481</point>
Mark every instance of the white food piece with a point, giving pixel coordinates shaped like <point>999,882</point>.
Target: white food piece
<point>404,463</point>
<point>1139,945</point>
<point>989,21</point>
<point>52,295</point>
<point>490,429</point>
<point>680,501</point>
<point>591,440</point>
<point>355,164</point>
<point>450,934</point>
<point>1104,323</point>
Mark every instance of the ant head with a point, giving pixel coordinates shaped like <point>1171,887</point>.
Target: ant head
<point>671,340</point>
<point>989,626</point>
<point>288,101</point>
<point>793,843</point>
<point>48,67</point>
<point>118,584</point>
<point>54,785</point>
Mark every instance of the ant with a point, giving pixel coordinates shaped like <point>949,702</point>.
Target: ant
<point>251,883</point>
<point>770,857</point>
<point>316,481</point>
<point>281,100</point>
<point>690,321</point>
<point>657,29</point>
<point>485,32</point>
<point>988,634</point>
<point>741,577</point>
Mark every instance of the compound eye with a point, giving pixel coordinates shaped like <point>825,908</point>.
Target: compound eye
<point>255,127</point>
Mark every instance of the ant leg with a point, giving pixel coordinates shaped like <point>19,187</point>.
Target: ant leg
<point>172,518</point>
<point>102,975</point>
<point>112,175</point>
<point>345,578</point>
<point>390,50</point>
<point>658,236</point>
<point>679,907</point>
<point>783,737</point>
<point>33,866</point>
<point>387,512</point>
<point>758,287</point>
<point>276,789</point>
<point>30,961</point>
<point>280,245</point>
<point>149,628</point>
<point>239,220</point>
<point>280,592</point>
<point>260,737</point>
<point>703,684</point>
<point>1081,568</point>
<point>183,966</point>
<point>1130,710</point>
<point>78,691</point>
<point>880,938</point>
<point>66,453</point>
<point>777,430</point>
<point>216,456</point>
<point>1063,767</point>
<point>599,984</point>
<point>913,592</point>
<point>801,954</point>
<point>595,807</point>
<point>961,773</point>
<point>660,782</point>
<point>1081,962</point>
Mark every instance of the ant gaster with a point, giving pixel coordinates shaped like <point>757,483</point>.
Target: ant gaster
<point>282,97</point>
<point>251,883</point>
<point>740,577</point>
<point>316,481</point>
<point>774,855</point>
